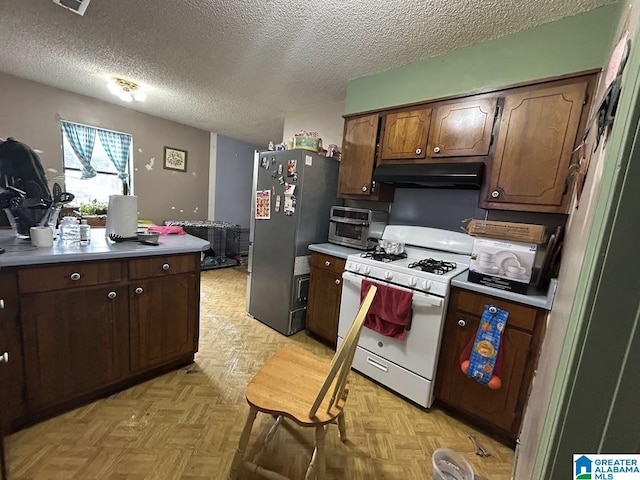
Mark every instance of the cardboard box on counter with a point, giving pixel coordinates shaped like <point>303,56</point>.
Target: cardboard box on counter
<point>518,232</point>
<point>502,264</point>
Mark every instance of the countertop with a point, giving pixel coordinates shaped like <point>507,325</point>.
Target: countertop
<point>535,298</point>
<point>21,252</point>
<point>334,250</point>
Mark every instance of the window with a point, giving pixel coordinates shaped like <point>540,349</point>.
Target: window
<point>96,162</point>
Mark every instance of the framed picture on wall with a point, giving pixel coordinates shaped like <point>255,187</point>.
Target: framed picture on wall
<point>175,159</point>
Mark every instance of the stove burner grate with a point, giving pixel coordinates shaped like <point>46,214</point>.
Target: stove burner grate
<point>382,256</point>
<point>432,265</point>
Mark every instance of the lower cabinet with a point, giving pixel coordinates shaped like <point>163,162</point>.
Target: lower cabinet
<point>325,290</point>
<point>75,342</point>
<point>499,411</point>
<point>86,329</point>
<point>159,328</point>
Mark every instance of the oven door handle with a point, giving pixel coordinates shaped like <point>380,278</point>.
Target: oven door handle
<point>419,299</point>
<point>427,301</point>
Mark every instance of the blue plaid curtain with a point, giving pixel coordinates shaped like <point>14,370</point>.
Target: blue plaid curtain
<point>82,139</point>
<point>117,146</point>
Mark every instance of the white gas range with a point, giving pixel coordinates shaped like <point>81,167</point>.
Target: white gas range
<point>433,258</point>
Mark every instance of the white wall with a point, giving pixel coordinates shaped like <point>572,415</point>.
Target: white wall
<point>325,119</point>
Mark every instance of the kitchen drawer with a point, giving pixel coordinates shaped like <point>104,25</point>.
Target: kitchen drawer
<point>520,316</point>
<point>163,265</point>
<point>327,262</point>
<point>69,275</point>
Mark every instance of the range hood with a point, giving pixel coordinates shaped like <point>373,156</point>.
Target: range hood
<point>439,175</point>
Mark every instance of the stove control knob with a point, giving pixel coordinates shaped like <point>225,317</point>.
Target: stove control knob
<point>366,270</point>
<point>426,284</point>
<point>388,275</point>
<point>413,281</point>
<point>357,267</point>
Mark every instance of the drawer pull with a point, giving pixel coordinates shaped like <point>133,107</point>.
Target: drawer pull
<point>327,263</point>
<point>4,358</point>
<point>1,303</point>
<point>139,290</point>
<point>74,276</point>
<point>462,323</point>
<point>112,295</point>
<point>379,366</point>
<point>337,281</point>
<point>166,267</point>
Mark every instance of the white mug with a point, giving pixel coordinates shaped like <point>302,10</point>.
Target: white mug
<point>41,236</point>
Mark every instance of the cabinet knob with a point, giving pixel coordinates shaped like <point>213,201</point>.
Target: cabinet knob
<point>337,281</point>
<point>436,149</point>
<point>139,290</point>
<point>74,276</point>
<point>4,358</point>
<point>112,295</point>
<point>365,188</point>
<point>495,194</point>
<point>461,323</point>
<point>418,151</point>
<point>492,309</point>
<point>166,266</point>
<point>1,303</point>
<point>327,263</point>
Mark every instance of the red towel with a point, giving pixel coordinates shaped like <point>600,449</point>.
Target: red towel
<point>390,312</point>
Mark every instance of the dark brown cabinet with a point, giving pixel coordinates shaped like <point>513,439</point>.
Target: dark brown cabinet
<point>75,342</point>
<point>11,372</point>
<point>405,135</point>
<point>538,132</point>
<point>87,329</point>
<point>160,328</point>
<point>359,149</point>
<point>500,411</point>
<point>11,361</point>
<point>462,128</point>
<point>325,290</point>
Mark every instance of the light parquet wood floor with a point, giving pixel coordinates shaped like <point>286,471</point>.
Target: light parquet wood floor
<point>185,424</point>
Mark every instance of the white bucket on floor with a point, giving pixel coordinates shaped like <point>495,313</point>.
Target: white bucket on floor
<point>450,465</point>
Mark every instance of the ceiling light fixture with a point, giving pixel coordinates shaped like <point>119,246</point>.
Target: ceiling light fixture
<point>126,90</point>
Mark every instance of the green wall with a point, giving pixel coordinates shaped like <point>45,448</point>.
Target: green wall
<point>569,45</point>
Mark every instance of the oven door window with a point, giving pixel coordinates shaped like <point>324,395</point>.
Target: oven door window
<point>349,230</point>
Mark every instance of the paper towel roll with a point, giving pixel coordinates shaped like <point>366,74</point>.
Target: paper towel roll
<point>41,236</point>
<point>122,216</point>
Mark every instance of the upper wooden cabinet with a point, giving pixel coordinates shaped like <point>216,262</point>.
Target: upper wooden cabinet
<point>462,128</point>
<point>359,159</point>
<point>538,132</point>
<point>405,135</point>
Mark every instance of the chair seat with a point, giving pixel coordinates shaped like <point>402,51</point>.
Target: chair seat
<point>289,383</point>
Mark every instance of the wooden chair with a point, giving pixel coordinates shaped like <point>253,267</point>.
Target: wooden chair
<point>295,384</point>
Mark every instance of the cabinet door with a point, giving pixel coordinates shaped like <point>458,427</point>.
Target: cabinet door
<point>11,364</point>
<point>461,129</point>
<point>323,307</point>
<point>358,156</point>
<point>75,342</point>
<point>538,130</point>
<point>497,407</point>
<point>164,316</point>
<point>405,135</point>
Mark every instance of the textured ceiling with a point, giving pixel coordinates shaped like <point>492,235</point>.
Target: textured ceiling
<point>238,67</point>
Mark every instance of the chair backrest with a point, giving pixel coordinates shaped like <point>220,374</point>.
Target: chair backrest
<point>343,358</point>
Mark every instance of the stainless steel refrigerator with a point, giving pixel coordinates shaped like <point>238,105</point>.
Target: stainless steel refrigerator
<point>293,191</point>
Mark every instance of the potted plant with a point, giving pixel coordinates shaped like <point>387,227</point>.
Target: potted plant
<point>94,212</point>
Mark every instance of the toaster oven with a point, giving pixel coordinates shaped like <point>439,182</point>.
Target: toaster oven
<point>356,227</point>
